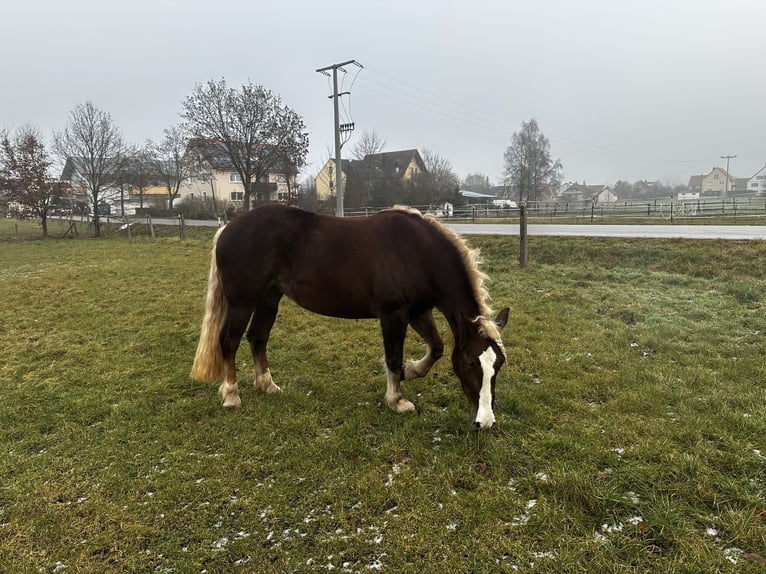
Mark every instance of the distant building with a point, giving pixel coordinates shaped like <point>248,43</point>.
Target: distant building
<point>695,183</point>
<point>579,192</point>
<point>757,183</point>
<point>217,175</point>
<point>477,198</point>
<point>402,165</point>
<point>718,183</point>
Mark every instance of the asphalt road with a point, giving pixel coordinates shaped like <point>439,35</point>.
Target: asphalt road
<point>652,231</point>
<point>574,230</point>
<point>593,230</point>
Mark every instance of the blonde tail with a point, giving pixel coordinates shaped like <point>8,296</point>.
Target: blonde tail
<point>208,361</point>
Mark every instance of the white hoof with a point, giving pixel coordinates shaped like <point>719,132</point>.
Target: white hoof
<point>265,384</point>
<point>401,405</point>
<point>229,395</point>
<point>412,370</point>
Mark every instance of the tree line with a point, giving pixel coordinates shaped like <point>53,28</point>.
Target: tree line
<point>529,174</point>
<point>258,134</point>
<point>256,131</point>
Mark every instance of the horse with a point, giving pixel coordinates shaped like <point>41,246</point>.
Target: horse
<point>396,266</point>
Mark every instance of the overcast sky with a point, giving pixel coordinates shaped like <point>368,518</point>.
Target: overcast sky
<point>643,89</point>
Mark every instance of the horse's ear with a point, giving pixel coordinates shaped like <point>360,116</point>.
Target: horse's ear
<point>502,318</point>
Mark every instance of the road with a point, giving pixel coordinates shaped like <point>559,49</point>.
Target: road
<point>575,230</point>
<point>652,231</point>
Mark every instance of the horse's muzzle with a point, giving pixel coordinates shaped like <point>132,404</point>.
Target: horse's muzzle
<point>482,426</point>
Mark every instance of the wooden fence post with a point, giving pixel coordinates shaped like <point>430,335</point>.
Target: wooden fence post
<point>523,241</point>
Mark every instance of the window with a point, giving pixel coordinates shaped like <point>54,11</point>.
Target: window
<point>398,169</point>
<point>234,177</point>
<point>761,177</point>
<point>204,195</point>
<point>237,195</point>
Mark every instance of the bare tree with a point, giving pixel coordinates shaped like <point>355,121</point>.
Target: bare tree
<point>92,148</point>
<point>25,166</point>
<point>138,170</point>
<point>439,182</point>
<point>369,143</point>
<point>477,182</point>
<point>251,125</point>
<point>291,156</point>
<point>171,167</point>
<point>529,170</point>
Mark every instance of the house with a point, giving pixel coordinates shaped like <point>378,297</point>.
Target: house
<point>325,179</point>
<point>757,183</point>
<point>716,182</point>
<point>75,174</point>
<point>401,166</point>
<point>218,178</point>
<point>695,183</point>
<point>579,192</point>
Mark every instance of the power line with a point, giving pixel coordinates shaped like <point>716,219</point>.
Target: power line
<point>456,111</point>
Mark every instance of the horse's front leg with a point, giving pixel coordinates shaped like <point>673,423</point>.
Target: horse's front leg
<point>426,328</point>
<point>394,328</point>
<point>258,336</point>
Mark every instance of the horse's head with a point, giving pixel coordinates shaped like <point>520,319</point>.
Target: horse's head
<point>476,359</point>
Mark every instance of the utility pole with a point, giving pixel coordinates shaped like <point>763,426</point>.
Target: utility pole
<point>338,128</point>
<point>726,184</point>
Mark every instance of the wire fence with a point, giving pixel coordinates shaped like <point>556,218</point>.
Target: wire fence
<point>660,209</point>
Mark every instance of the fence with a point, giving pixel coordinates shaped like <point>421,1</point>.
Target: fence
<point>666,209</point>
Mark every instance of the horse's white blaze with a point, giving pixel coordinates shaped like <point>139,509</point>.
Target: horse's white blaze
<point>484,416</point>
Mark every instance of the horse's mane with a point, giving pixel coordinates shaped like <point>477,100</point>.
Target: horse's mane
<point>471,259</point>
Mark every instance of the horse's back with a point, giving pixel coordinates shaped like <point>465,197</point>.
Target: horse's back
<point>333,266</point>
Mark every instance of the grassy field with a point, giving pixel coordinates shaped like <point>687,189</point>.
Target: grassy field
<point>630,436</point>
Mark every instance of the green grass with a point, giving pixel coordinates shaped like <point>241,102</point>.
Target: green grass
<point>630,434</point>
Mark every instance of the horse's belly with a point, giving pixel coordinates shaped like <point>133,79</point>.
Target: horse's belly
<point>335,310</point>
<point>330,303</point>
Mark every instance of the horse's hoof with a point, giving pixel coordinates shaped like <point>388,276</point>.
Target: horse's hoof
<point>232,403</point>
<point>404,406</point>
<point>229,396</point>
<point>411,371</point>
<point>265,384</point>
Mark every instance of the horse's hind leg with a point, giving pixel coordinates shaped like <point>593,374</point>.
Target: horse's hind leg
<point>231,335</point>
<point>258,336</point>
<point>394,330</point>
<point>426,328</point>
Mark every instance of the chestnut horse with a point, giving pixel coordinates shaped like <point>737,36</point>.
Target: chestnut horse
<point>395,266</point>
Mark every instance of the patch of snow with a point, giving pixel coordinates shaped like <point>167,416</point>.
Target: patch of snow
<point>733,554</point>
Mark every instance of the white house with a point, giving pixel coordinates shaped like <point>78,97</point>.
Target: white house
<point>757,183</point>
<point>600,194</point>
